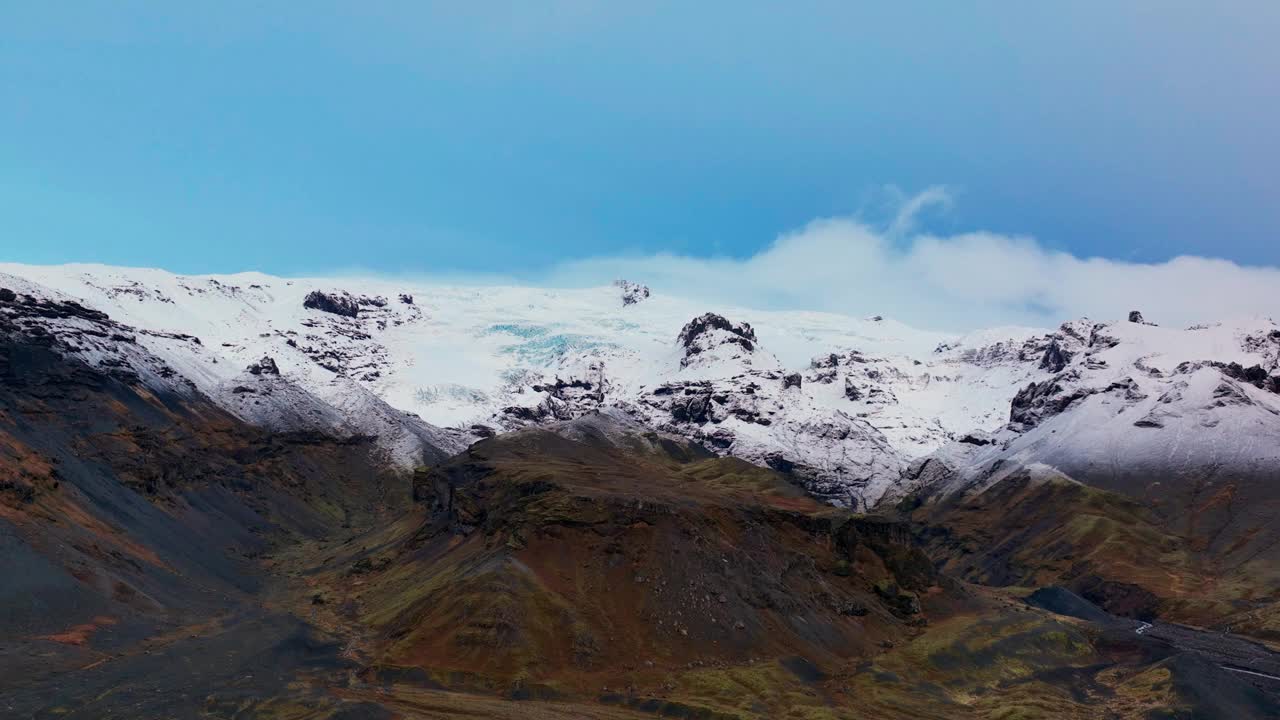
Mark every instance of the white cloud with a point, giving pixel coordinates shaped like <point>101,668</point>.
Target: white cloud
<point>955,282</point>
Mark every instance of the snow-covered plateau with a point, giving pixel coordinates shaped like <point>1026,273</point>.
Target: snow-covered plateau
<point>856,409</point>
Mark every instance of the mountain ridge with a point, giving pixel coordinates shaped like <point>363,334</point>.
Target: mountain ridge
<point>847,406</point>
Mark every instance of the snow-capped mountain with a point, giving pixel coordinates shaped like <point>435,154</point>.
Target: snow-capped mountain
<point>849,406</point>
<point>1132,406</point>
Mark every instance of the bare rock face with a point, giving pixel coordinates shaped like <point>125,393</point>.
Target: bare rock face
<point>710,332</point>
<point>1039,401</point>
<point>1055,357</point>
<point>1255,375</point>
<point>632,293</point>
<point>792,380</point>
<point>1135,317</point>
<point>336,303</point>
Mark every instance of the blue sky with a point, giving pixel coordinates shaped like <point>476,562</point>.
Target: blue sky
<point>511,137</point>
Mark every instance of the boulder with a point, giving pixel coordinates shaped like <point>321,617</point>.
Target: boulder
<point>265,366</point>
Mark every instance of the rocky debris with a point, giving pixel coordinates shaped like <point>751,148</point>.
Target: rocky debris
<point>338,303</point>
<point>711,331</point>
<point>792,380</point>
<point>1135,317</point>
<point>265,366</point>
<point>851,390</point>
<point>406,298</point>
<point>632,293</point>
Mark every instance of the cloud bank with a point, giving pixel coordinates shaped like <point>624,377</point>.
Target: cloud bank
<point>955,282</point>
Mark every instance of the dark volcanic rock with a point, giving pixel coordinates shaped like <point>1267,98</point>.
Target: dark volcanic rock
<point>1135,316</point>
<point>790,381</point>
<point>7,295</point>
<point>265,366</point>
<point>337,304</point>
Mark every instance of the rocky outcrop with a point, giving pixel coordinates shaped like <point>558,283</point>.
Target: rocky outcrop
<point>1055,357</point>
<point>558,399</point>
<point>1047,398</point>
<point>1255,375</point>
<point>337,303</point>
<point>632,293</point>
<point>265,366</point>
<point>711,331</point>
<point>1135,317</point>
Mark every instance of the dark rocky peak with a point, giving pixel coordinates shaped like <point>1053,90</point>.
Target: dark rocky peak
<point>632,293</point>
<point>1073,338</point>
<point>710,331</point>
<point>265,366</point>
<point>1136,317</point>
<point>375,301</point>
<point>336,303</point>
